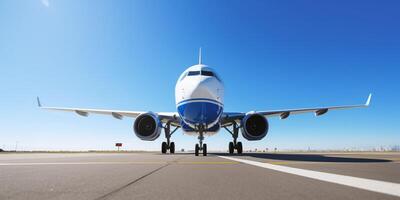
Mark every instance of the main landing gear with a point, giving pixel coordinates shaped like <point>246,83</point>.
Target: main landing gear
<point>200,147</point>
<point>235,145</point>
<point>168,145</point>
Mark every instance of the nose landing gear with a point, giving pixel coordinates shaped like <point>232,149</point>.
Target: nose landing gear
<point>200,147</point>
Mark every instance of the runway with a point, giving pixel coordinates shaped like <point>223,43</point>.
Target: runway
<point>184,176</point>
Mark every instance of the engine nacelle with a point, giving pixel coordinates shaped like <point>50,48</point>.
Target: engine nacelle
<point>254,126</point>
<point>147,126</point>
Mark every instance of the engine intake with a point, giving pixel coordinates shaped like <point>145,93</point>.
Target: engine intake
<point>147,126</point>
<point>254,126</point>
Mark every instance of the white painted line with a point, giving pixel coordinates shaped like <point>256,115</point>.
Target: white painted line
<point>79,163</point>
<point>361,183</point>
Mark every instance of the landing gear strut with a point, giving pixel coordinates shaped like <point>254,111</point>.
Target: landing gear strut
<point>168,145</point>
<point>235,145</point>
<point>200,146</point>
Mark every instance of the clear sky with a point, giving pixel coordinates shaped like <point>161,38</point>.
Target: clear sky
<point>128,55</point>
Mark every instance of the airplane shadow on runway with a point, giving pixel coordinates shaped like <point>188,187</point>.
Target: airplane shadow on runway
<point>310,158</point>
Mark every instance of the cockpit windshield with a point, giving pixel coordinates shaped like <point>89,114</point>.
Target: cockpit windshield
<point>207,73</point>
<point>201,73</point>
<point>194,73</point>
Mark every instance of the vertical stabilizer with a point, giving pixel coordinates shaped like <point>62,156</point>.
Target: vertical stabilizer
<point>200,56</point>
<point>38,102</point>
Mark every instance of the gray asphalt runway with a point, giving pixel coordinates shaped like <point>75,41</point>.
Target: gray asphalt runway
<point>184,176</point>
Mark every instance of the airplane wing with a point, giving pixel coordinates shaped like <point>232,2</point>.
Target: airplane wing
<point>118,114</point>
<point>229,117</point>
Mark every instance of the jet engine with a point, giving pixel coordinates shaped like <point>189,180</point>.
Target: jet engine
<point>147,126</point>
<point>254,126</point>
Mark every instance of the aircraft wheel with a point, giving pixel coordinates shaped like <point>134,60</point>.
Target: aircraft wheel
<point>231,148</point>
<point>164,147</point>
<point>204,149</point>
<point>196,150</point>
<point>172,147</point>
<point>239,148</point>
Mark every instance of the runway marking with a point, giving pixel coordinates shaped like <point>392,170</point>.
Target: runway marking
<point>280,162</point>
<point>123,163</point>
<point>209,162</point>
<point>306,163</point>
<point>79,163</point>
<point>361,183</point>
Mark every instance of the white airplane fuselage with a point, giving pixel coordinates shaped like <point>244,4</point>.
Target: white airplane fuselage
<point>199,95</point>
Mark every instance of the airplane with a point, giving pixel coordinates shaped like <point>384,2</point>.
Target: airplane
<point>199,97</point>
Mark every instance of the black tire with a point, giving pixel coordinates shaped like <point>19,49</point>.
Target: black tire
<point>164,147</point>
<point>196,150</point>
<point>204,149</point>
<point>239,148</point>
<point>231,148</point>
<point>172,147</point>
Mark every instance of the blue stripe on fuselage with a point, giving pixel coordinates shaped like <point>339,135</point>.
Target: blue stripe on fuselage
<point>200,99</point>
<point>199,111</point>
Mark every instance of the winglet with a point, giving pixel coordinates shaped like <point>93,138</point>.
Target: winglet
<point>38,102</point>
<point>200,56</point>
<point>368,100</point>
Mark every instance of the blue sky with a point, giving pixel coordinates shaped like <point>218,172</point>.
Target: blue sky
<point>129,54</point>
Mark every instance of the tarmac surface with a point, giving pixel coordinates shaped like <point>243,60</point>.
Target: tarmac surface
<point>184,176</point>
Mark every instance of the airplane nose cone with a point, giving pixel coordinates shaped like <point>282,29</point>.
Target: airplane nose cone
<point>202,107</point>
<point>203,89</point>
